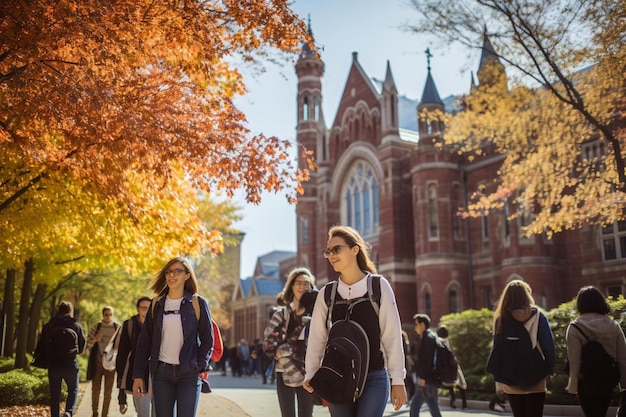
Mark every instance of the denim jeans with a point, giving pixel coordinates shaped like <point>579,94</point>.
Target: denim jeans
<point>143,406</point>
<point>426,394</point>
<point>171,387</point>
<point>371,403</point>
<point>56,376</point>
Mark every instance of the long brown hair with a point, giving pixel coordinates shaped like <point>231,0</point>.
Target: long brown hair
<point>287,293</point>
<point>159,283</point>
<point>353,238</point>
<point>516,295</point>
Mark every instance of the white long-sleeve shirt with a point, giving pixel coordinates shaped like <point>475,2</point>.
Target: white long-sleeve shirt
<point>388,320</point>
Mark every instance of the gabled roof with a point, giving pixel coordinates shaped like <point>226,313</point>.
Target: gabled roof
<point>269,286</point>
<point>268,265</point>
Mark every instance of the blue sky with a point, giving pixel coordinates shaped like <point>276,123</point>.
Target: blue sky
<point>374,29</point>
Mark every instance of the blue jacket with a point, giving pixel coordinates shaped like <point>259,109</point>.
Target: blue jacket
<point>197,337</point>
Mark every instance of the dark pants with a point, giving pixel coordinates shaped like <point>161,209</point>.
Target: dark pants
<point>56,376</point>
<point>593,405</point>
<point>287,399</point>
<point>453,397</point>
<point>527,405</point>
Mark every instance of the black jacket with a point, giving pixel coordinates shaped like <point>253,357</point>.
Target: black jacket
<point>42,348</point>
<point>126,352</point>
<point>426,355</point>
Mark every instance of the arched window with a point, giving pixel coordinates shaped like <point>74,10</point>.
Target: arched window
<point>433,216</point>
<point>427,306</point>
<point>305,109</point>
<point>361,199</point>
<point>316,108</point>
<point>453,301</point>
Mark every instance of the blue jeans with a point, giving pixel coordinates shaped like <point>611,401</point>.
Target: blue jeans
<point>371,403</point>
<point>172,387</point>
<point>143,406</point>
<point>55,377</point>
<point>426,394</point>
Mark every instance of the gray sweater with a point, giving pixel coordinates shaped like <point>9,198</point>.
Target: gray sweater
<point>603,329</point>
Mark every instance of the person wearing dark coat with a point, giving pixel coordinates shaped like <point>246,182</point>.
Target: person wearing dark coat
<point>65,369</point>
<point>126,360</point>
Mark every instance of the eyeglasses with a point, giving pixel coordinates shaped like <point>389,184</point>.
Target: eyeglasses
<point>302,284</point>
<point>335,250</point>
<point>143,307</point>
<point>176,272</point>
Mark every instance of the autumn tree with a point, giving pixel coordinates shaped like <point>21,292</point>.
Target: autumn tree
<point>567,61</point>
<point>98,89</point>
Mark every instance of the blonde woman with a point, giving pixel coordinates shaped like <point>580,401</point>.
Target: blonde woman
<point>176,361</point>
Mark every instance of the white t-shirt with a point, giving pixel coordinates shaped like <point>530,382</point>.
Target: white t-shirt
<point>172,333</point>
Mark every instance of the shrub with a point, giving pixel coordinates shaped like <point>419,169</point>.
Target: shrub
<point>17,388</point>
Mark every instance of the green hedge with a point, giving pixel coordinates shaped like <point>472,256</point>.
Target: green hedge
<point>30,386</point>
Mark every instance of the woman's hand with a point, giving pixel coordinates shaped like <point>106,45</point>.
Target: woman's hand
<point>307,386</point>
<point>138,389</point>
<point>398,396</point>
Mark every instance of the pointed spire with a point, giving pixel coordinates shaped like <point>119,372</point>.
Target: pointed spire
<point>306,49</point>
<point>389,84</point>
<point>488,53</point>
<point>490,70</point>
<point>430,94</point>
<point>472,82</point>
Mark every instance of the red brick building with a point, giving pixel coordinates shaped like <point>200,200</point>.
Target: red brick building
<point>380,172</point>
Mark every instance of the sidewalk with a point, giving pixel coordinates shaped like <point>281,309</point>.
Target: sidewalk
<point>248,397</point>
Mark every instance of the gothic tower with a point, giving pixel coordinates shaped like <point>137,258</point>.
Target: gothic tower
<point>311,136</point>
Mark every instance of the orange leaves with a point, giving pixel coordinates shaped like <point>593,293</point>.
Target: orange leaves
<point>127,108</point>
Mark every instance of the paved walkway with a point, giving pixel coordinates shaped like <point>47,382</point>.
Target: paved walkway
<point>248,397</point>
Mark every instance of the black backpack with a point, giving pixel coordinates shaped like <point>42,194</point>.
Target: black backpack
<point>599,371</point>
<point>445,365</point>
<point>513,361</point>
<point>343,372</point>
<point>62,343</point>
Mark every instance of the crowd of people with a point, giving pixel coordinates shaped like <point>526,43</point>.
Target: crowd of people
<point>164,375</point>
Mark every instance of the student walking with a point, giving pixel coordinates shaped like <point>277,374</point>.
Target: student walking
<point>288,323</point>
<point>174,344</point>
<point>99,336</point>
<point>594,324</point>
<point>348,254</point>
<point>523,354</point>
<point>425,392</point>
<point>442,333</point>
<point>127,350</point>
<point>61,339</point>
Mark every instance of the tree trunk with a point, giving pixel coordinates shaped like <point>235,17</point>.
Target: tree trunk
<point>8,312</point>
<point>22,328</point>
<point>35,316</point>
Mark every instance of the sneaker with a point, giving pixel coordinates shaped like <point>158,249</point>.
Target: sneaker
<point>499,408</point>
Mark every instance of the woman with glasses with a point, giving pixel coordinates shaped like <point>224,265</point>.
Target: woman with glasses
<point>523,355</point>
<point>348,254</point>
<point>175,342</point>
<point>285,342</point>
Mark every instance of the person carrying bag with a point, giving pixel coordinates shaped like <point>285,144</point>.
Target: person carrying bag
<point>285,343</point>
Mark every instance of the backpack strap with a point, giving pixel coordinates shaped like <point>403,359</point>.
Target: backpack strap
<point>130,329</point>
<point>330,301</point>
<point>580,330</point>
<point>196,305</point>
<point>373,291</point>
<point>373,294</point>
